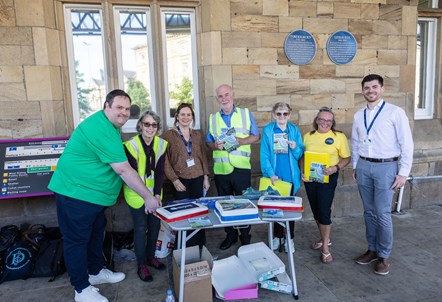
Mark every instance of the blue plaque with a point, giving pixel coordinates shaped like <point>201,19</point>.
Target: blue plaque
<point>300,47</point>
<point>341,47</point>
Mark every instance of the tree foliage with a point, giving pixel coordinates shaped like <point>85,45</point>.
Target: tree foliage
<point>82,94</point>
<point>139,94</point>
<point>183,92</point>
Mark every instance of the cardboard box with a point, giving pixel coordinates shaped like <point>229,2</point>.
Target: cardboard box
<point>232,281</point>
<point>260,261</point>
<point>236,277</point>
<point>281,283</point>
<point>197,274</point>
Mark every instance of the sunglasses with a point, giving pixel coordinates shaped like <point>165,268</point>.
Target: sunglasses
<point>324,120</point>
<point>282,113</point>
<point>153,125</point>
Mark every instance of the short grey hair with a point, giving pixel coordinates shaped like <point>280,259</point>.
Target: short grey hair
<point>154,115</point>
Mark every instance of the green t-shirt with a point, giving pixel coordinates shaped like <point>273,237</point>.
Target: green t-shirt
<point>83,170</point>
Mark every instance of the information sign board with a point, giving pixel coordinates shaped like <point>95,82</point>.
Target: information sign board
<point>300,47</point>
<point>341,47</point>
<point>27,165</point>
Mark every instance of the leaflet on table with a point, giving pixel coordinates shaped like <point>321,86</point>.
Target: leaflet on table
<point>229,139</point>
<point>200,222</point>
<point>314,164</point>
<point>285,203</point>
<point>272,213</point>
<point>181,211</point>
<point>280,143</point>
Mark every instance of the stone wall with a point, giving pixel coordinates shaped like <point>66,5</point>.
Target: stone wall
<point>240,43</point>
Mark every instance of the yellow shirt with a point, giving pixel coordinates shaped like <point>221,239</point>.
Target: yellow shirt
<point>335,144</point>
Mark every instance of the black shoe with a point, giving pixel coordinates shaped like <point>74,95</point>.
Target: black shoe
<point>227,243</point>
<point>245,239</point>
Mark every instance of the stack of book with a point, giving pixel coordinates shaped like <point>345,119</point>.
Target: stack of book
<point>181,211</point>
<point>236,210</point>
<point>285,203</point>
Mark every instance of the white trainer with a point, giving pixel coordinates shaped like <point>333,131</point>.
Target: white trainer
<point>106,276</point>
<point>292,244</point>
<point>90,294</point>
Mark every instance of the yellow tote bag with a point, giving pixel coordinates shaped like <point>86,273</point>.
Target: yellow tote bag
<point>284,188</point>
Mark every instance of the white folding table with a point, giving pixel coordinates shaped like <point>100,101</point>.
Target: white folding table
<point>183,227</point>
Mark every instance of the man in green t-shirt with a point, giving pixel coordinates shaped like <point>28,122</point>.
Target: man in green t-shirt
<point>88,179</point>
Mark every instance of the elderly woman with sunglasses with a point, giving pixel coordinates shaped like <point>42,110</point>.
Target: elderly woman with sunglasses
<point>146,153</point>
<point>281,148</point>
<point>325,139</point>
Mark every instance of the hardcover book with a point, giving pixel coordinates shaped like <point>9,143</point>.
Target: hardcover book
<point>314,164</point>
<point>237,209</point>
<point>285,203</point>
<point>177,212</point>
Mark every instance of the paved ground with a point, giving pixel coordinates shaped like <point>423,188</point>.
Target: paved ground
<point>416,267</point>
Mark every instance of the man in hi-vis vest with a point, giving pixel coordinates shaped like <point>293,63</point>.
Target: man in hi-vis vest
<point>231,131</point>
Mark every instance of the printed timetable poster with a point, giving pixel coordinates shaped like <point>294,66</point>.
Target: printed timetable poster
<point>27,165</point>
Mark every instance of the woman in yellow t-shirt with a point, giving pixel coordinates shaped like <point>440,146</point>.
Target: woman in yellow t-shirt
<point>325,139</point>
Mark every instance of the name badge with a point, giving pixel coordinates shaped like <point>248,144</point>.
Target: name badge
<point>190,162</point>
<point>367,141</point>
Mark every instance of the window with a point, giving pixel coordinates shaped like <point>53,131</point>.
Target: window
<point>179,47</point>
<point>86,60</point>
<point>129,60</point>
<point>425,68</point>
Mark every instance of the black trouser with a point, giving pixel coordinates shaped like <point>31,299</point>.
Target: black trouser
<point>233,184</point>
<point>194,189</point>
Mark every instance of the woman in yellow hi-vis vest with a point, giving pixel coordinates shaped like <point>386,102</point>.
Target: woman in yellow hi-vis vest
<point>146,154</point>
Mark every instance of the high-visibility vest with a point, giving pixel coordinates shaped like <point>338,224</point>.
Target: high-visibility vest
<point>224,162</point>
<point>135,148</point>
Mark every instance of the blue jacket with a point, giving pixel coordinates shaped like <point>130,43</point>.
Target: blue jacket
<point>268,157</point>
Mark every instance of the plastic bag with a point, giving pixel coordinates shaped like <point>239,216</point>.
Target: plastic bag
<point>165,242</point>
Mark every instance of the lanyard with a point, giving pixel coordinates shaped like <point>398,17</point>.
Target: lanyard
<point>188,145</point>
<point>372,122</point>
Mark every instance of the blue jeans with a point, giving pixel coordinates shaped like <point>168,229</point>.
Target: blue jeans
<point>146,229</point>
<point>82,225</point>
<point>374,184</point>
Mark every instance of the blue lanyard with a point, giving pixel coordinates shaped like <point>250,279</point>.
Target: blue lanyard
<point>372,122</point>
<point>188,145</point>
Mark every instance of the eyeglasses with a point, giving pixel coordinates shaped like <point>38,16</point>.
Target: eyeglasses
<point>324,120</point>
<point>282,113</point>
<point>153,125</point>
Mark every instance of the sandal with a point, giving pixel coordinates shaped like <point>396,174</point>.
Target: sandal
<point>318,245</point>
<point>326,258</point>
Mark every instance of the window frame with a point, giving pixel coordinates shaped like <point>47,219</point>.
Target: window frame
<point>196,99</point>
<point>429,79</point>
<point>116,10</point>
<point>112,53</point>
<point>67,8</point>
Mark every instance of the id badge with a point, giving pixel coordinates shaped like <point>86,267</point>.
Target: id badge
<point>365,146</point>
<point>190,162</point>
